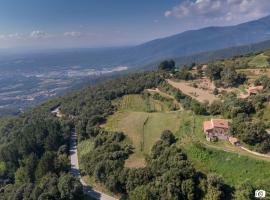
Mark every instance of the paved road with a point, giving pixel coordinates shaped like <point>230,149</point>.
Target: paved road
<point>76,172</point>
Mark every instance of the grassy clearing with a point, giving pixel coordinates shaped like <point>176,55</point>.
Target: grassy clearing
<point>232,163</point>
<point>259,61</point>
<point>143,130</point>
<point>142,119</point>
<point>234,168</point>
<point>143,103</point>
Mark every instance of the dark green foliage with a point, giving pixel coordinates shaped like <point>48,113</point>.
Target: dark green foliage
<point>167,65</point>
<point>225,76</point>
<point>214,72</point>
<point>251,133</point>
<point>92,105</point>
<point>244,191</point>
<point>215,188</point>
<point>263,80</point>
<point>168,174</point>
<point>70,188</point>
<point>184,74</point>
<point>233,106</point>
<point>168,137</point>
<point>216,107</point>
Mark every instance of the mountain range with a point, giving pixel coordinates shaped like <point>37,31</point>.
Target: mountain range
<point>186,44</point>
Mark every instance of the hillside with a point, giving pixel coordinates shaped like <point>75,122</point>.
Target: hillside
<point>139,133</point>
<point>180,45</point>
<point>57,71</point>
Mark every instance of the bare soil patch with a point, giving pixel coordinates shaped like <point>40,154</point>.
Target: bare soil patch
<point>201,95</point>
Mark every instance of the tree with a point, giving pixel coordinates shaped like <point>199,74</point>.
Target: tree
<point>214,188</point>
<point>244,191</point>
<point>47,188</point>
<point>188,189</point>
<point>142,192</point>
<point>69,187</point>
<point>215,107</point>
<point>45,165</point>
<point>213,71</point>
<point>167,65</point>
<point>230,77</point>
<point>168,137</point>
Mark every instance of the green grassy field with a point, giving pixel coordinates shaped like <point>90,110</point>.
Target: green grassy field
<point>234,168</point>
<point>143,130</point>
<point>142,127</point>
<point>142,103</point>
<point>232,163</point>
<point>259,61</point>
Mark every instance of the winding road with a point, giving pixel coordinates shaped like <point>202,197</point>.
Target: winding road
<point>75,170</point>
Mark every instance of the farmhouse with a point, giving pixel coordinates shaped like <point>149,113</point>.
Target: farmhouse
<point>216,129</point>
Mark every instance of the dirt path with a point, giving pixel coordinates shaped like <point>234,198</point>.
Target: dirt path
<point>255,153</point>
<point>196,93</point>
<point>76,171</point>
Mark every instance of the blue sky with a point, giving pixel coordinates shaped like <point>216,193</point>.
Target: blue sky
<point>99,23</point>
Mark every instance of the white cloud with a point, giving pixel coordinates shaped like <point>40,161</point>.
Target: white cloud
<point>234,11</point>
<point>38,34</point>
<point>11,36</point>
<point>73,34</point>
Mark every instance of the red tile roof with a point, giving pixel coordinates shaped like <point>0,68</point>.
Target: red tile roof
<point>207,125</point>
<point>215,123</point>
<point>220,123</point>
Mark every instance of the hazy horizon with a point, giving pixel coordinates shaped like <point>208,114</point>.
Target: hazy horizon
<point>100,24</point>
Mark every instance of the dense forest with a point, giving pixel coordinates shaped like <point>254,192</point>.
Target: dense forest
<point>34,162</point>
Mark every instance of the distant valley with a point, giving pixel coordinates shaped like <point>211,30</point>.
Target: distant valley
<point>30,78</point>
<point>22,88</point>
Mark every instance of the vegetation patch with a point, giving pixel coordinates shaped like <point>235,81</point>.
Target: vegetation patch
<point>85,147</point>
<point>259,61</point>
<point>144,103</point>
<point>143,130</point>
<point>234,168</point>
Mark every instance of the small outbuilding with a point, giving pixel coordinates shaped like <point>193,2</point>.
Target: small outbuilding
<point>234,141</point>
<point>255,90</point>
